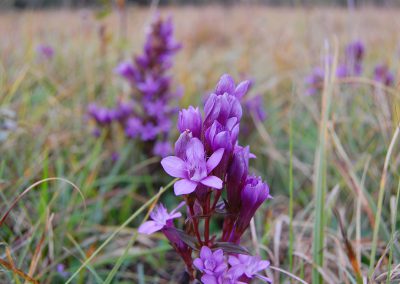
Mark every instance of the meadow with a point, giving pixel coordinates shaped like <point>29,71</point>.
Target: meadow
<point>70,211</point>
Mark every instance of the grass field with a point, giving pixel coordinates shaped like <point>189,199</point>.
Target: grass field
<point>331,159</point>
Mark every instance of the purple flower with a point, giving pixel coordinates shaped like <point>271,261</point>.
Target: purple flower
<point>227,85</point>
<point>221,108</point>
<point>237,176</point>
<point>190,119</point>
<point>315,81</point>
<point>253,194</point>
<point>383,75</point>
<point>354,56</point>
<point>127,71</point>
<point>45,51</point>
<point>133,127</point>
<point>61,270</point>
<point>149,131</point>
<point>101,115</point>
<point>217,136</point>
<point>211,263</point>
<point>255,105</point>
<point>160,219</point>
<point>162,148</point>
<point>355,51</point>
<point>249,265</point>
<point>193,169</point>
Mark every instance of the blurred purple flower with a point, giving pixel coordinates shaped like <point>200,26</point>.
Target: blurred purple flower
<point>126,70</point>
<point>193,169</point>
<point>45,51</point>
<point>315,81</point>
<point>160,218</point>
<point>383,75</point>
<point>162,148</point>
<point>255,106</point>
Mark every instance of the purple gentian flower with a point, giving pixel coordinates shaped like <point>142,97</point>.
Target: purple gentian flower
<point>226,84</point>
<point>249,265</point>
<point>133,127</point>
<point>253,194</point>
<point>314,81</point>
<point>237,176</point>
<point>190,119</point>
<point>211,263</point>
<point>193,169</point>
<point>160,219</point>
<point>383,75</point>
<point>127,71</point>
<point>162,148</point>
<point>45,51</point>
<point>256,105</point>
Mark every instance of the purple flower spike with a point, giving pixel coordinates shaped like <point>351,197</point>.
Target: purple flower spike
<point>160,219</point>
<point>211,263</point>
<point>249,266</point>
<point>315,81</point>
<point>190,119</point>
<point>193,169</point>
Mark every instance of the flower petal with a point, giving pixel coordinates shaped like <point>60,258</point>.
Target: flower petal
<point>212,181</point>
<point>149,227</point>
<point>198,263</point>
<point>184,186</point>
<point>174,166</point>
<point>242,89</point>
<point>214,160</point>
<point>205,252</point>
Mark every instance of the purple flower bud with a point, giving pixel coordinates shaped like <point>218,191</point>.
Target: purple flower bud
<point>237,176</point>
<point>253,194</point>
<point>226,84</point>
<point>242,89</point>
<point>222,108</point>
<point>355,51</point>
<point>216,137</point>
<point>190,119</point>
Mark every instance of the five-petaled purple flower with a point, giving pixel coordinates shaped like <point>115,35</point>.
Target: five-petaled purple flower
<point>249,266</point>
<point>193,169</point>
<point>160,219</point>
<point>211,263</point>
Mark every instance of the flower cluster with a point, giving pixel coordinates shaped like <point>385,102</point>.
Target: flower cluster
<point>147,116</point>
<point>352,65</point>
<point>210,163</point>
